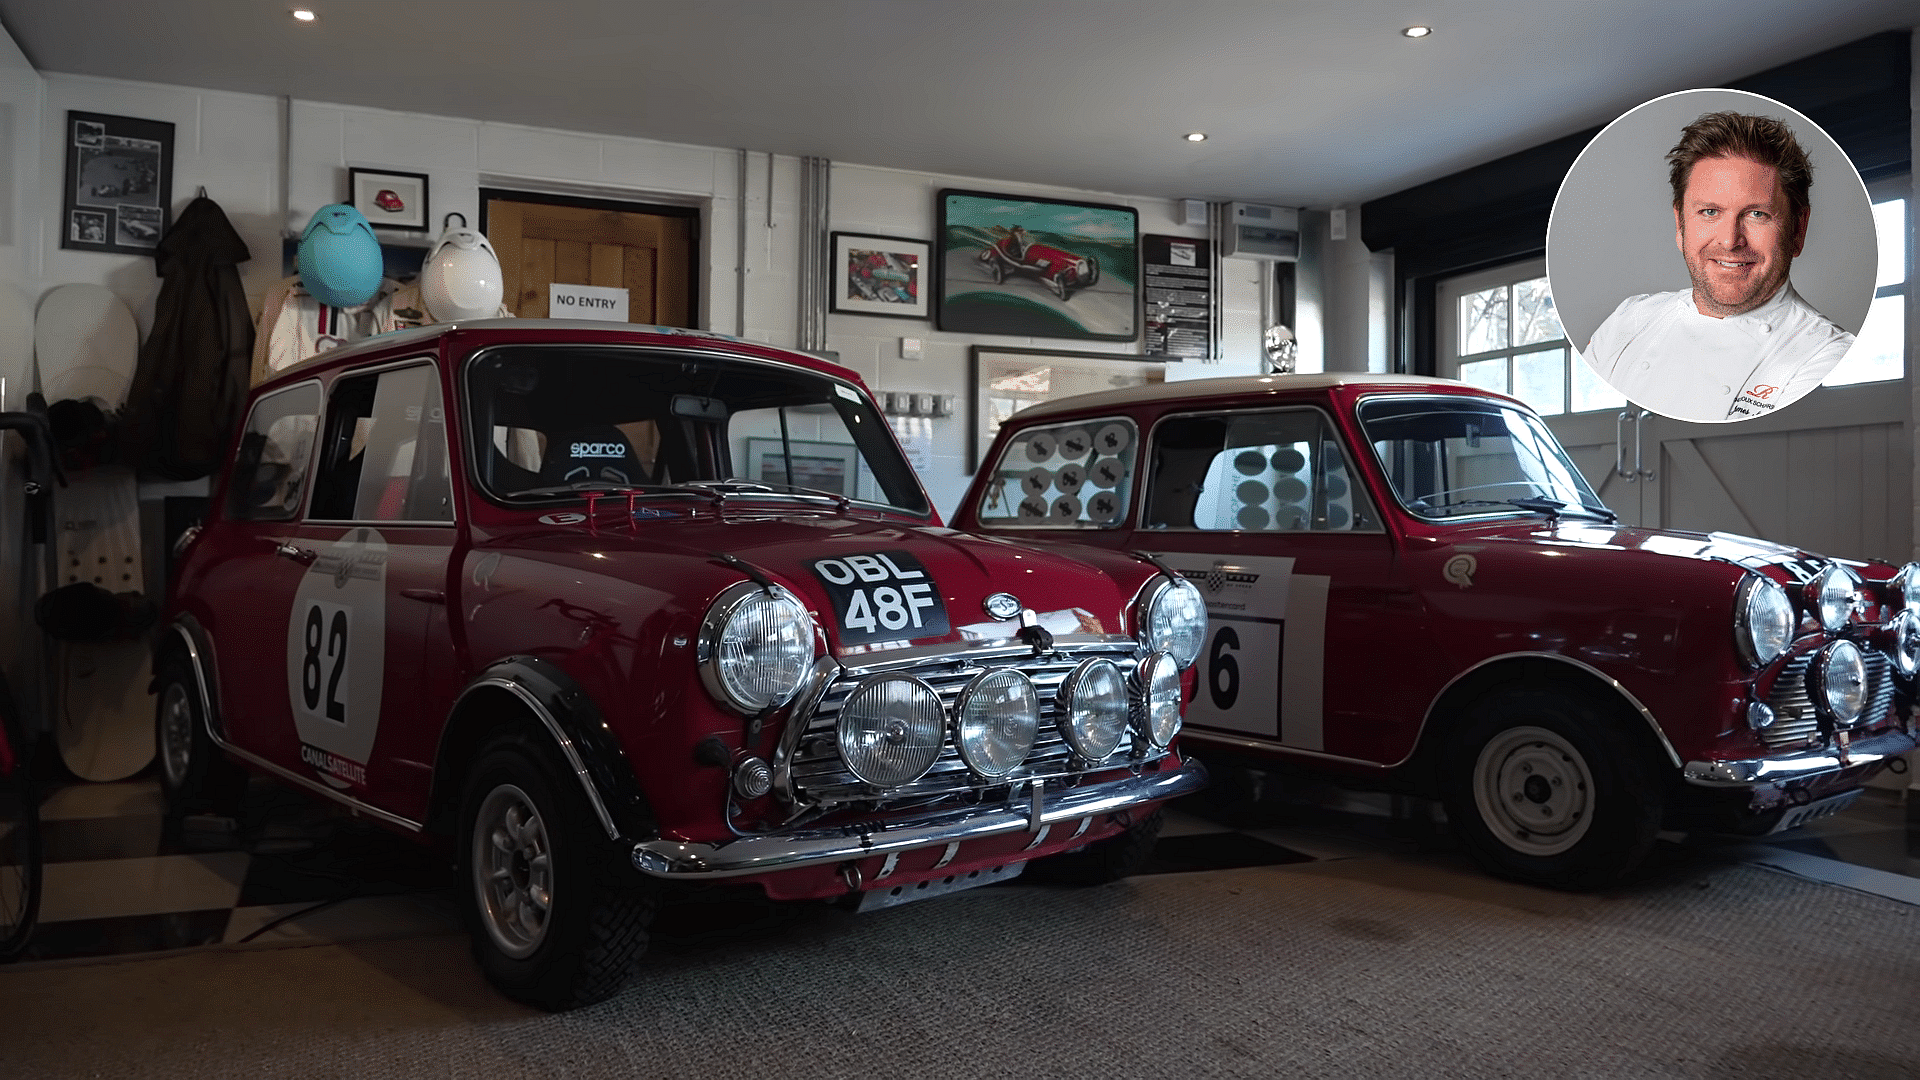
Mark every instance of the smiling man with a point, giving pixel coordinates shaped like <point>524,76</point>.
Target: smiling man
<point>1740,342</point>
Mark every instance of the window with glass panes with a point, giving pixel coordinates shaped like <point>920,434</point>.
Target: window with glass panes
<point>1508,338</point>
<point>1880,349</point>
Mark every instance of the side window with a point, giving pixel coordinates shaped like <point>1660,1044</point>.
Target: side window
<point>276,449</point>
<point>385,453</point>
<point>1077,475</point>
<point>1272,471</point>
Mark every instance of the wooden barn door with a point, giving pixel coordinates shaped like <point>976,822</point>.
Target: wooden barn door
<point>581,242</point>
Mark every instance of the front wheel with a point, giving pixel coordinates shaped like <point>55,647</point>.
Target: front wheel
<point>995,269</point>
<point>1543,787</point>
<point>556,919</point>
<point>1119,856</point>
<point>194,775</point>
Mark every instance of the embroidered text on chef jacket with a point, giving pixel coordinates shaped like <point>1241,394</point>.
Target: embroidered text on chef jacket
<point>1658,350</point>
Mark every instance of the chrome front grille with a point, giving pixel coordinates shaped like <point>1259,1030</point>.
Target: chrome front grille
<point>815,776</point>
<point>1795,722</point>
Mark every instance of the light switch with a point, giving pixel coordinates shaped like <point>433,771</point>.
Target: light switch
<point>909,348</point>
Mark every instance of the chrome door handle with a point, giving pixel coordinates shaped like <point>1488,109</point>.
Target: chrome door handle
<point>286,550</point>
<point>1620,447</point>
<point>1639,427</point>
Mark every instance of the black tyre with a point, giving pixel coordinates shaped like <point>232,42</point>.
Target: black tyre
<point>1119,856</point>
<point>1058,283</point>
<point>1093,273</point>
<point>557,917</point>
<point>20,855</point>
<point>1543,786</point>
<point>996,270</point>
<point>194,775</point>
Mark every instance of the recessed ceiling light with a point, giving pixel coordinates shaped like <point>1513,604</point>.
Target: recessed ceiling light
<point>1417,31</point>
<point>303,15</point>
<point>1196,136</point>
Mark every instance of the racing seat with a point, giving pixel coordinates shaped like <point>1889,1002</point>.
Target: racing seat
<point>596,453</point>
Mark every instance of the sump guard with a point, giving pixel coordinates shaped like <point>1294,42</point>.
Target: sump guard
<point>895,895</point>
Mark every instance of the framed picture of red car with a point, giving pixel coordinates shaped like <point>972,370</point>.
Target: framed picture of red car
<point>1017,264</point>
<point>880,275</point>
<point>119,189</point>
<point>390,200</point>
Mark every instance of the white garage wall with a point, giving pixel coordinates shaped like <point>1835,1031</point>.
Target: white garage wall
<point>231,144</point>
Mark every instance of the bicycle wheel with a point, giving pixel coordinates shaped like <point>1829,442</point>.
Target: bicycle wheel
<point>20,867</point>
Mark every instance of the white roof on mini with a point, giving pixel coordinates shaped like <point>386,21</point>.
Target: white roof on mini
<point>1239,385</point>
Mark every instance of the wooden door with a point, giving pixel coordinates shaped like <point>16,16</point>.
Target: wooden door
<point>649,255</point>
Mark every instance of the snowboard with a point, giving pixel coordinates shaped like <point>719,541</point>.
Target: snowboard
<point>86,345</point>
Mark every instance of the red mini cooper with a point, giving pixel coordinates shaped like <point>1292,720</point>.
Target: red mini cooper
<point>1410,585</point>
<point>603,609</point>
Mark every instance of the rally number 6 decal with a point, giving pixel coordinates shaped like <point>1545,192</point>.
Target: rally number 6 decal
<point>325,659</point>
<point>1223,671</point>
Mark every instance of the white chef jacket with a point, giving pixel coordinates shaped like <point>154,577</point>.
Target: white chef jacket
<point>294,325</point>
<point>1658,350</point>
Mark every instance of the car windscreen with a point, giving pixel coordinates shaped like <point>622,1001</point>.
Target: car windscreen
<point>1450,457</point>
<point>557,421</point>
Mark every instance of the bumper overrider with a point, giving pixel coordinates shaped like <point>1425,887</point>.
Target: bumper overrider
<point>1038,809</point>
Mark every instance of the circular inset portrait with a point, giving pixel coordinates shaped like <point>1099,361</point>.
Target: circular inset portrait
<point>1712,255</point>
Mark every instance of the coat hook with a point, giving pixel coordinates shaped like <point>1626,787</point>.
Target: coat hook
<point>203,191</point>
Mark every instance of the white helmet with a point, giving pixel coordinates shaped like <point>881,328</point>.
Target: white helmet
<point>460,278</point>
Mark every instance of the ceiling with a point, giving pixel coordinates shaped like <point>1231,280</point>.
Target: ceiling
<point>1305,103</point>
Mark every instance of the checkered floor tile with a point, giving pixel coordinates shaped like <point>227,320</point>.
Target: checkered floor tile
<point>122,878</point>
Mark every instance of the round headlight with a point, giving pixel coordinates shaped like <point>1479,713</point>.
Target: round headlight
<point>755,647</point>
<point>1906,585</point>
<point>891,729</point>
<point>1905,644</point>
<point>1830,597</point>
<point>1160,705</point>
<point>1762,620</point>
<point>995,722</point>
<point>1174,620</point>
<point>1093,709</point>
<point>1837,682</point>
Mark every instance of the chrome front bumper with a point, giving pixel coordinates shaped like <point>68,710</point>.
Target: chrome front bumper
<point>1786,770</point>
<point>791,851</point>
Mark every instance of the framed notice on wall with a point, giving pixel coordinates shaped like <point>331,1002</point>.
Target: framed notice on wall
<point>1179,296</point>
<point>119,183</point>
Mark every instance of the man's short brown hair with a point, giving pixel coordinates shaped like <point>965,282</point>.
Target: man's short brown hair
<point>1757,138</point>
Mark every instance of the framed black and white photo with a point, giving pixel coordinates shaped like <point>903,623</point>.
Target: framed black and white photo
<point>389,200</point>
<point>880,275</point>
<point>119,183</point>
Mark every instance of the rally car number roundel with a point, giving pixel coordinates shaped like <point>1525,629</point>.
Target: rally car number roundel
<point>336,656</point>
<point>882,596</point>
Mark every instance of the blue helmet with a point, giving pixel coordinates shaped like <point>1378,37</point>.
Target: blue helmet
<point>340,261</point>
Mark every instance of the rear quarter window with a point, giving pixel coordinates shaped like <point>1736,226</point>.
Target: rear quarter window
<point>1072,475</point>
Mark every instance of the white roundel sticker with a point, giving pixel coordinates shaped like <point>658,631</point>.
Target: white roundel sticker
<point>336,656</point>
<point>1041,446</point>
<point>1075,442</point>
<point>1113,438</point>
<point>1036,481</point>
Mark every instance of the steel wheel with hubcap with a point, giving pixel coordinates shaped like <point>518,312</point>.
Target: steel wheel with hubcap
<point>558,919</point>
<point>1533,790</point>
<point>1544,785</point>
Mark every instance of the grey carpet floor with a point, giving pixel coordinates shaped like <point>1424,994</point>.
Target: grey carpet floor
<point>1379,966</point>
